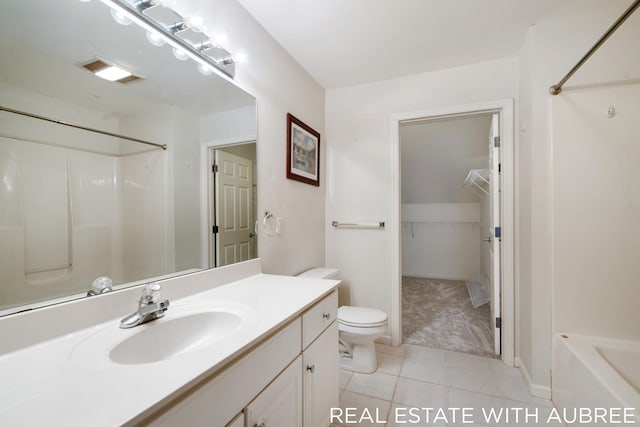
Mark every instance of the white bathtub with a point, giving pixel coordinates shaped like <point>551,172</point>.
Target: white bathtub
<point>590,372</point>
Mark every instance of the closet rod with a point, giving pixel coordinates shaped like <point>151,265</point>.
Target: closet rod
<point>102,132</point>
<point>557,88</point>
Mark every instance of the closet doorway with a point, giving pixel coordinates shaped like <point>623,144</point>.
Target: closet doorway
<point>451,290</point>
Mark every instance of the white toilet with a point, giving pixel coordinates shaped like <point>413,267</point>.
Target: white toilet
<point>359,328</point>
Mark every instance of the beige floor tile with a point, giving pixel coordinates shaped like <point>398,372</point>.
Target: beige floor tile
<point>423,370</point>
<point>389,363</point>
<point>468,361</point>
<point>474,379</point>
<point>377,385</point>
<point>401,415</point>
<point>387,349</point>
<point>480,404</point>
<point>343,378</point>
<point>361,410</point>
<point>425,353</point>
<point>498,367</point>
<point>515,388</point>
<point>420,394</point>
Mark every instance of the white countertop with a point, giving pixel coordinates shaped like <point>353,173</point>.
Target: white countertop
<point>53,383</point>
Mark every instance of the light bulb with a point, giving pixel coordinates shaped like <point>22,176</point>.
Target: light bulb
<point>180,54</point>
<point>221,40</point>
<point>155,39</point>
<point>120,17</point>
<point>196,23</point>
<point>205,69</point>
<point>240,56</point>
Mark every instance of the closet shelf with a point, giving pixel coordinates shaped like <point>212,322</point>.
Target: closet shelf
<point>478,181</point>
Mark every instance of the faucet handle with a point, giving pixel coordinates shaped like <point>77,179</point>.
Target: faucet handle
<point>151,293</point>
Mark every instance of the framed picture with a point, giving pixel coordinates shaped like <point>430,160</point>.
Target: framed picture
<point>303,152</point>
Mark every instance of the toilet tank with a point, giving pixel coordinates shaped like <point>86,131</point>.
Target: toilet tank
<point>321,273</point>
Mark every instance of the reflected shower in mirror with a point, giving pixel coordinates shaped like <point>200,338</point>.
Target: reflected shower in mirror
<point>76,205</point>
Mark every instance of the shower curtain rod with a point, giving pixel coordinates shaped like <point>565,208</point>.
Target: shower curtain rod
<point>557,88</point>
<point>102,132</point>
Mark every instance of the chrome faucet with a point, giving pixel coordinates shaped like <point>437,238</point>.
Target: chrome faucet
<point>150,307</point>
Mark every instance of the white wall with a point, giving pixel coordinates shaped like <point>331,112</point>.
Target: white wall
<point>280,86</point>
<point>438,154</point>
<point>441,240</point>
<point>552,47</point>
<point>360,171</point>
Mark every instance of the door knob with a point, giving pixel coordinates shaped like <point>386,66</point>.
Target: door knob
<point>252,235</point>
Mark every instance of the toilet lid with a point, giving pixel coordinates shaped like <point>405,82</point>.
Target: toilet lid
<point>361,316</point>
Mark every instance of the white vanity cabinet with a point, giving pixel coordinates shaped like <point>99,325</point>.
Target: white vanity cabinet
<point>280,404</point>
<point>320,361</point>
<point>290,380</point>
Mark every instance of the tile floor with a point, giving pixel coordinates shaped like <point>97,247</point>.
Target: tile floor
<point>420,377</point>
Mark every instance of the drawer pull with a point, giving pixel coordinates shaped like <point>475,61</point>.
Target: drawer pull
<point>311,368</point>
<point>326,316</point>
<point>259,425</point>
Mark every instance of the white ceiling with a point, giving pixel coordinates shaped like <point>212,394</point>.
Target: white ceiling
<point>346,42</point>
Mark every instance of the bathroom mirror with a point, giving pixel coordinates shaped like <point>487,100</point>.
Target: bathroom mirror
<point>77,205</point>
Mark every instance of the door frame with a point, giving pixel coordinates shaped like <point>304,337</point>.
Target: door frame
<point>504,107</point>
<point>206,190</point>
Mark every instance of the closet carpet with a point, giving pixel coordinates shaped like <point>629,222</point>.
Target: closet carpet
<point>438,313</point>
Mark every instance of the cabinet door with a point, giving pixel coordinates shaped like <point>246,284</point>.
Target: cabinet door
<point>280,404</point>
<point>320,362</point>
<point>237,421</point>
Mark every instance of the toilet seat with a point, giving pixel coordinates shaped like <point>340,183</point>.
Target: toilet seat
<point>361,317</point>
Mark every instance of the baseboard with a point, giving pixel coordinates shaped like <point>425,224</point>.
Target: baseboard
<point>385,339</point>
<point>535,390</point>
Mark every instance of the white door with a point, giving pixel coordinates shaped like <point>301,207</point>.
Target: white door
<point>233,206</point>
<point>494,232</point>
<point>280,404</point>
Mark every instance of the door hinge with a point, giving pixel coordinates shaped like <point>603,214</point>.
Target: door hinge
<point>496,141</point>
<point>214,229</point>
<point>214,168</point>
<point>499,322</point>
<point>497,233</point>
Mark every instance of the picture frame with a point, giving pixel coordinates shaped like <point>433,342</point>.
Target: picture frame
<point>303,152</point>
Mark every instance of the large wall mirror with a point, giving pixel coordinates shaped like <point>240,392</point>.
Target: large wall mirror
<point>76,205</point>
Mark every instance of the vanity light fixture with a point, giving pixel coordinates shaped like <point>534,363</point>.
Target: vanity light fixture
<point>178,32</point>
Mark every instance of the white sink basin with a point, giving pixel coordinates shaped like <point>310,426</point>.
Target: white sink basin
<point>182,330</point>
<point>175,336</point>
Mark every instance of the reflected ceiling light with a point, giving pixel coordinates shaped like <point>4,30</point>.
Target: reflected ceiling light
<point>155,39</point>
<point>180,54</point>
<point>214,53</point>
<point>109,71</point>
<point>113,73</point>
<point>120,17</point>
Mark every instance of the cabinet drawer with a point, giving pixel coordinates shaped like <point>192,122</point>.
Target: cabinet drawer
<point>318,318</point>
